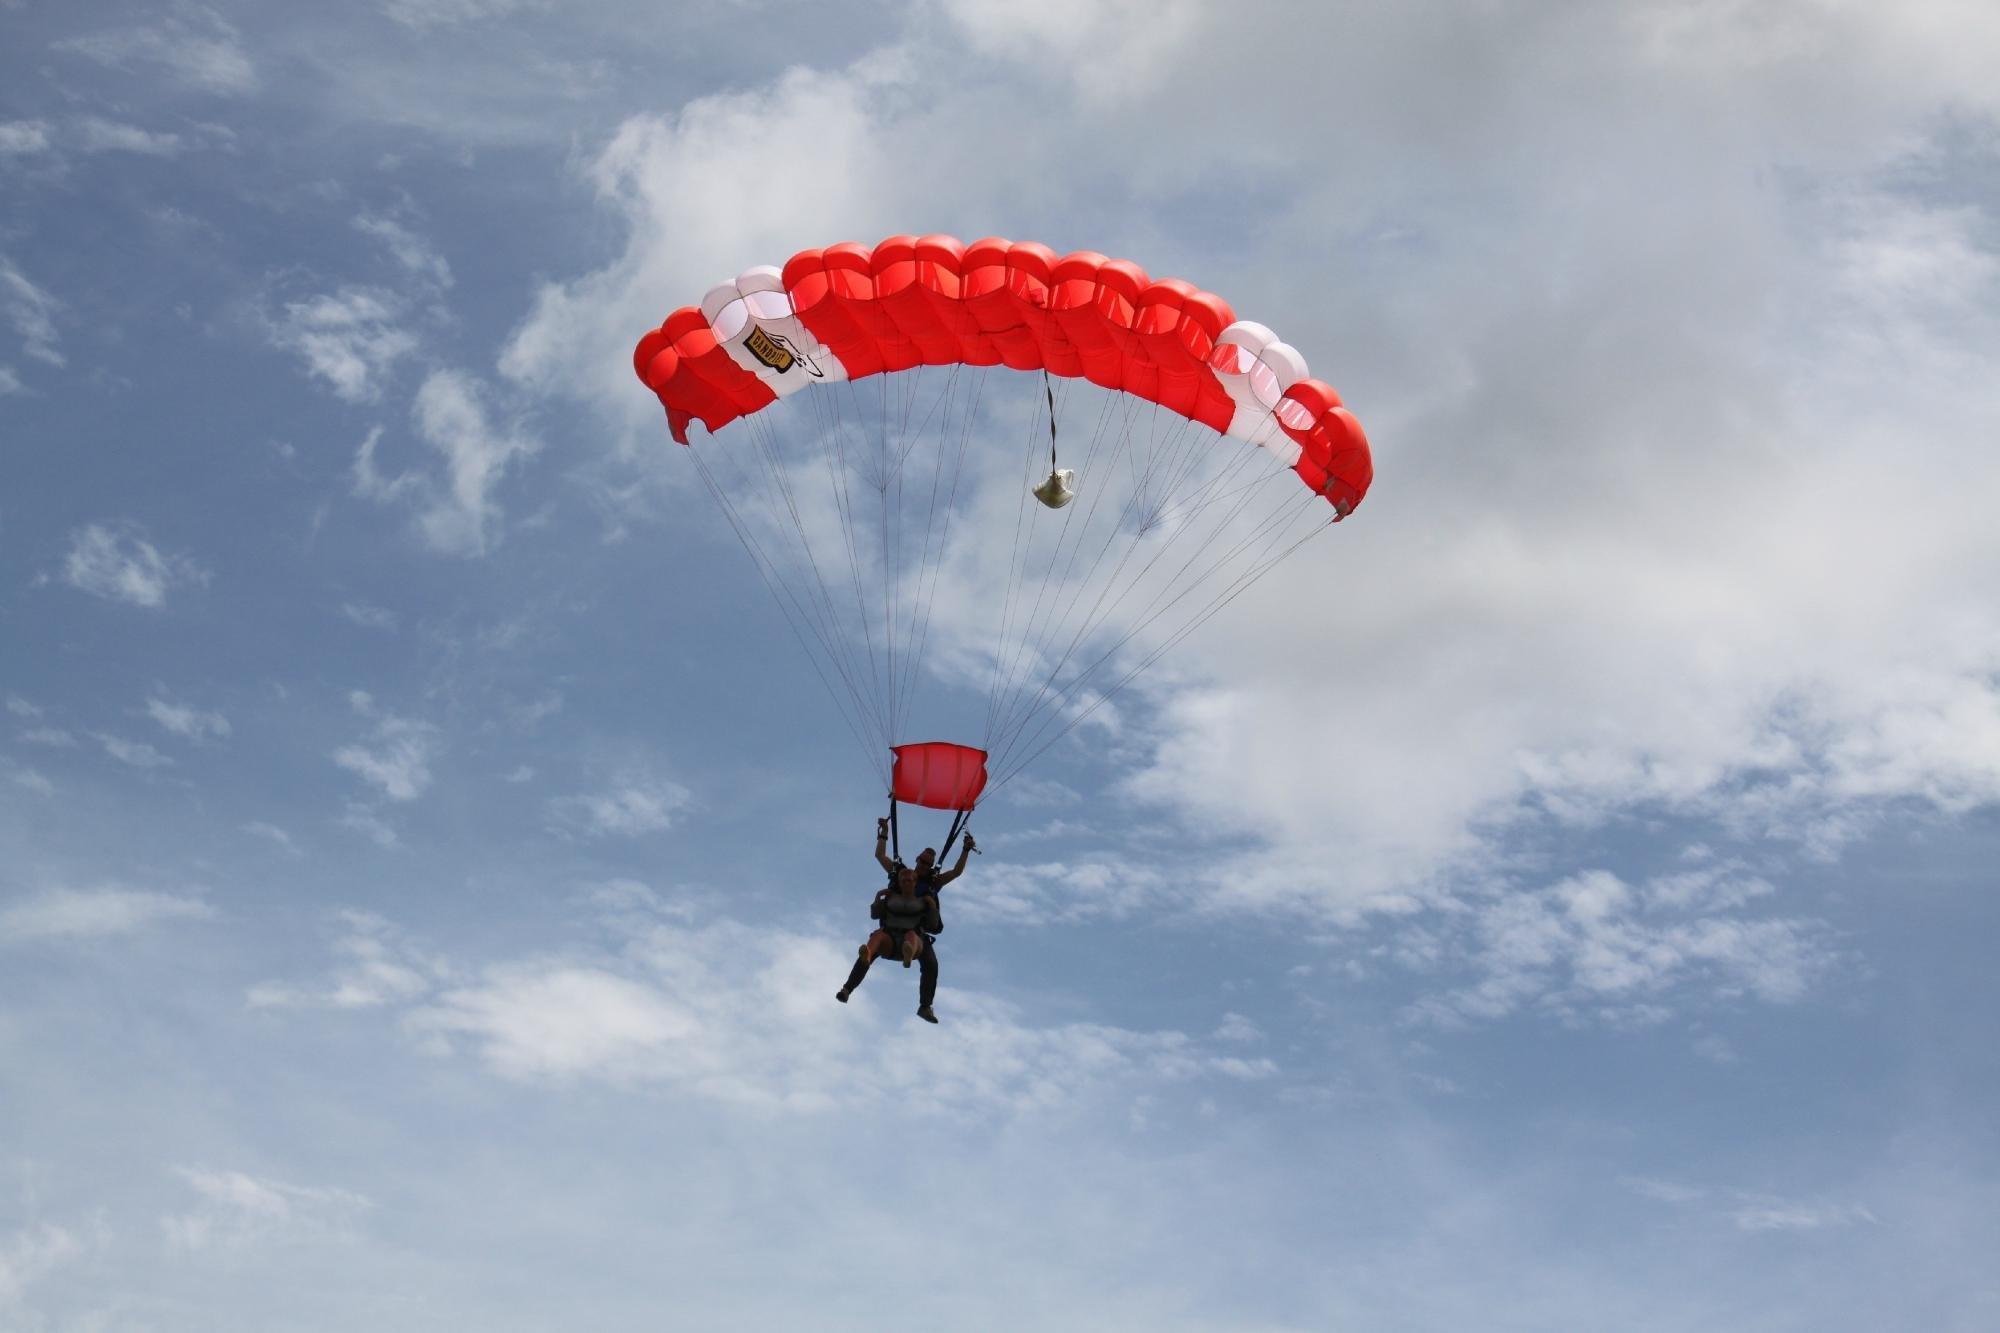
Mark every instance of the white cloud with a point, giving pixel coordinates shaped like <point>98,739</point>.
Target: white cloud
<point>555,1021</point>
<point>361,613</point>
<point>425,14</point>
<point>1748,1211</point>
<point>94,134</point>
<point>236,1210</point>
<point>273,834</point>
<point>31,1253</point>
<point>32,313</point>
<point>1715,1049</point>
<point>20,707</point>
<point>89,913</point>
<point>53,737</point>
<point>745,1016</point>
<point>194,44</point>
<point>1237,1028</point>
<point>1109,48</point>
<point>395,758</point>
<point>1059,892</point>
<point>1599,624</point>
<point>369,824</point>
<point>847,176</point>
<point>31,780</point>
<point>370,484</point>
<point>457,513</point>
<point>375,965</point>
<point>23,137</point>
<point>114,561</point>
<point>188,722</point>
<point>1594,949</point>
<point>137,754</point>
<point>1779,1215</point>
<point>412,251</point>
<point>451,416</point>
<point>351,339</point>
<point>631,805</point>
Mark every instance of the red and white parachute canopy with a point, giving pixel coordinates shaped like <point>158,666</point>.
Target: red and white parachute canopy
<point>846,312</point>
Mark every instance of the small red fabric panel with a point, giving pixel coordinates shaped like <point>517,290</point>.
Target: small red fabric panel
<point>938,775</point>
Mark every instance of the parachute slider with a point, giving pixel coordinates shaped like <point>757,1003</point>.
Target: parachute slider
<point>938,775</point>
<point>1059,489</point>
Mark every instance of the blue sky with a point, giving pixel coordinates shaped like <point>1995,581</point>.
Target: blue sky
<point>1562,896</point>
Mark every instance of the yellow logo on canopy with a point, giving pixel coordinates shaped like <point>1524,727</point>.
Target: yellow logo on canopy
<point>767,349</point>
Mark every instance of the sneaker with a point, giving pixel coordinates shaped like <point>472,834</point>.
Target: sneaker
<point>841,995</point>
<point>924,1012</point>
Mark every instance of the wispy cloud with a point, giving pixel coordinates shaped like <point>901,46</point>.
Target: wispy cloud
<point>558,1021</point>
<point>423,14</point>
<point>116,562</point>
<point>452,417</point>
<point>1750,1211</point>
<point>395,757</point>
<point>414,252</point>
<point>236,1210</point>
<point>351,339</point>
<point>31,311</point>
<point>1593,948</point>
<point>456,512</point>
<point>374,965</point>
<point>184,721</point>
<point>850,168</point>
<point>136,754</point>
<point>1051,892</point>
<point>193,43</point>
<point>31,1253</point>
<point>273,834</point>
<point>369,616</point>
<point>89,913</point>
<point>634,803</point>
<point>20,138</point>
<point>1780,1215</point>
<point>94,134</point>
<point>1111,49</point>
<point>368,822</point>
<point>745,1016</point>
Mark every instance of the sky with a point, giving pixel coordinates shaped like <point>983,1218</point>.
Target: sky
<point>1560,896</point>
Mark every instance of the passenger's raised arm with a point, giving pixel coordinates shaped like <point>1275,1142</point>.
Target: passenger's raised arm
<point>882,844</point>
<point>944,877</point>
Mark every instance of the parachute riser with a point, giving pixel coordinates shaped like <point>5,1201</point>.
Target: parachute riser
<point>958,826</point>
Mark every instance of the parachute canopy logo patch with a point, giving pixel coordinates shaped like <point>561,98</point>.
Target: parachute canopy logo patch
<point>767,350</point>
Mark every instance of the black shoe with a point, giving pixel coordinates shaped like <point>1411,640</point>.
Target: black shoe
<point>841,994</point>
<point>924,1012</point>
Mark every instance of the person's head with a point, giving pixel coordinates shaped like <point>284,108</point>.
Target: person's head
<point>906,878</point>
<point>926,859</point>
